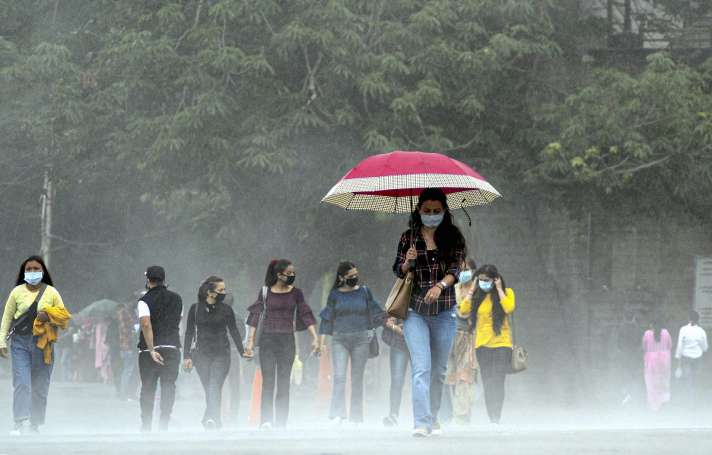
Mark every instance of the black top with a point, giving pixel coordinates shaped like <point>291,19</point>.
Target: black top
<point>166,309</point>
<point>214,321</point>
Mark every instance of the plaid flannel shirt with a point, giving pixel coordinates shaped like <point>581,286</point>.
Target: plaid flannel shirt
<point>429,271</point>
<point>127,334</point>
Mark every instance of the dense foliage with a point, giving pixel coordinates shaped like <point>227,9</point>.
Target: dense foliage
<point>207,130</point>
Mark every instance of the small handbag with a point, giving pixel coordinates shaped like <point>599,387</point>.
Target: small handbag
<point>520,357</point>
<point>398,300</point>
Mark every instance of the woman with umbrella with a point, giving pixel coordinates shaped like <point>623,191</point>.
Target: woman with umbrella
<point>433,249</point>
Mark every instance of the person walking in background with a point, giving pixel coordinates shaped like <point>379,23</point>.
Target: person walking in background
<point>285,312</point>
<point>33,297</point>
<point>399,358</point>
<point>492,304</point>
<point>207,346</point>
<point>159,313</point>
<point>628,358</point>
<point>349,316</point>
<point>462,366</point>
<point>691,347</point>
<point>657,361</point>
<point>126,320</point>
<point>433,249</point>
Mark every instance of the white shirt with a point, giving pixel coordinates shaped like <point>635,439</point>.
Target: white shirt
<point>692,342</point>
<point>143,310</point>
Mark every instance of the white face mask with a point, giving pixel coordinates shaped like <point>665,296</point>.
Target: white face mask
<point>432,221</point>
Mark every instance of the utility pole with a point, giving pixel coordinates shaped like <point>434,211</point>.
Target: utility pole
<point>46,207</point>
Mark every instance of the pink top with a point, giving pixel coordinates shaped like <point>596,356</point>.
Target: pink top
<point>650,345</point>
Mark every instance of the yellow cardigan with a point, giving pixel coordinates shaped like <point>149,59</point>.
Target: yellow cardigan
<point>485,329</point>
<point>47,331</point>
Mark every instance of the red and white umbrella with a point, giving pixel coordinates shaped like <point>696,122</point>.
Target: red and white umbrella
<point>392,182</point>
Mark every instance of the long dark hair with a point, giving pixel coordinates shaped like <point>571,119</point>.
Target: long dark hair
<point>341,270</point>
<point>46,277</point>
<point>448,236</point>
<point>275,267</point>
<point>479,296</point>
<point>206,286</point>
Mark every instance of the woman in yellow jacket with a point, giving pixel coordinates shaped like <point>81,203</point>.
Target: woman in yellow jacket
<point>492,303</point>
<point>33,298</point>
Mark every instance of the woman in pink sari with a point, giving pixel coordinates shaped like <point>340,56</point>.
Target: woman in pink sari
<point>657,346</point>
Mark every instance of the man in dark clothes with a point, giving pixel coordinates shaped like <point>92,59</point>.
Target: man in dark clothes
<point>159,312</point>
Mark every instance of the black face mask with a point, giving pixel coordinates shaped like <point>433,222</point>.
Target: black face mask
<point>289,280</point>
<point>351,282</point>
<point>220,298</point>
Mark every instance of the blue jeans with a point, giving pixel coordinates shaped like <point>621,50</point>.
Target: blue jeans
<point>345,346</point>
<point>128,366</point>
<point>30,380</point>
<point>399,365</point>
<point>429,340</point>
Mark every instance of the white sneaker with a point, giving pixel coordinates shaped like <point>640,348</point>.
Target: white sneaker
<point>437,430</point>
<point>337,421</point>
<point>210,425</point>
<point>266,426</point>
<point>20,429</point>
<point>627,399</point>
<point>421,433</point>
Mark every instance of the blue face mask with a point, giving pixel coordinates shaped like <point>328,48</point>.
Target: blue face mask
<point>33,278</point>
<point>465,276</point>
<point>486,286</point>
<point>432,221</point>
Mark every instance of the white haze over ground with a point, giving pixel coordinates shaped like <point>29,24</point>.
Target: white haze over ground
<point>88,419</point>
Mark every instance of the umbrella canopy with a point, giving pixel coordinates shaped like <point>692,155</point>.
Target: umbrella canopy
<point>392,182</point>
<point>98,309</point>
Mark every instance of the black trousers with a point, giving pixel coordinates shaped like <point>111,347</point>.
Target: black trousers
<point>151,373</point>
<point>495,364</point>
<point>212,370</point>
<point>277,352</point>
<point>235,385</point>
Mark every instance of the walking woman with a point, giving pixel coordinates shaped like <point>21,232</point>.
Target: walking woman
<point>207,346</point>
<point>349,317</point>
<point>492,304</point>
<point>657,346</point>
<point>462,366</point>
<point>34,298</point>
<point>399,359</point>
<point>433,249</point>
<point>285,312</point>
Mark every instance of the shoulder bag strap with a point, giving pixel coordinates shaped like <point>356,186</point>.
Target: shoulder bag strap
<point>369,298</point>
<point>24,316</point>
<point>265,290</point>
<point>195,321</point>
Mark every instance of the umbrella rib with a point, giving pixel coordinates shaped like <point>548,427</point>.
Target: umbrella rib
<point>348,205</point>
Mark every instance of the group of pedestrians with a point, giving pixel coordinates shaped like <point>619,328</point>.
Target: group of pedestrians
<point>457,324</point>
<point>667,366</point>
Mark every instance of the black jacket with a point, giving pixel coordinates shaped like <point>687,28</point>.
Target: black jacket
<point>214,321</point>
<point>166,310</point>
